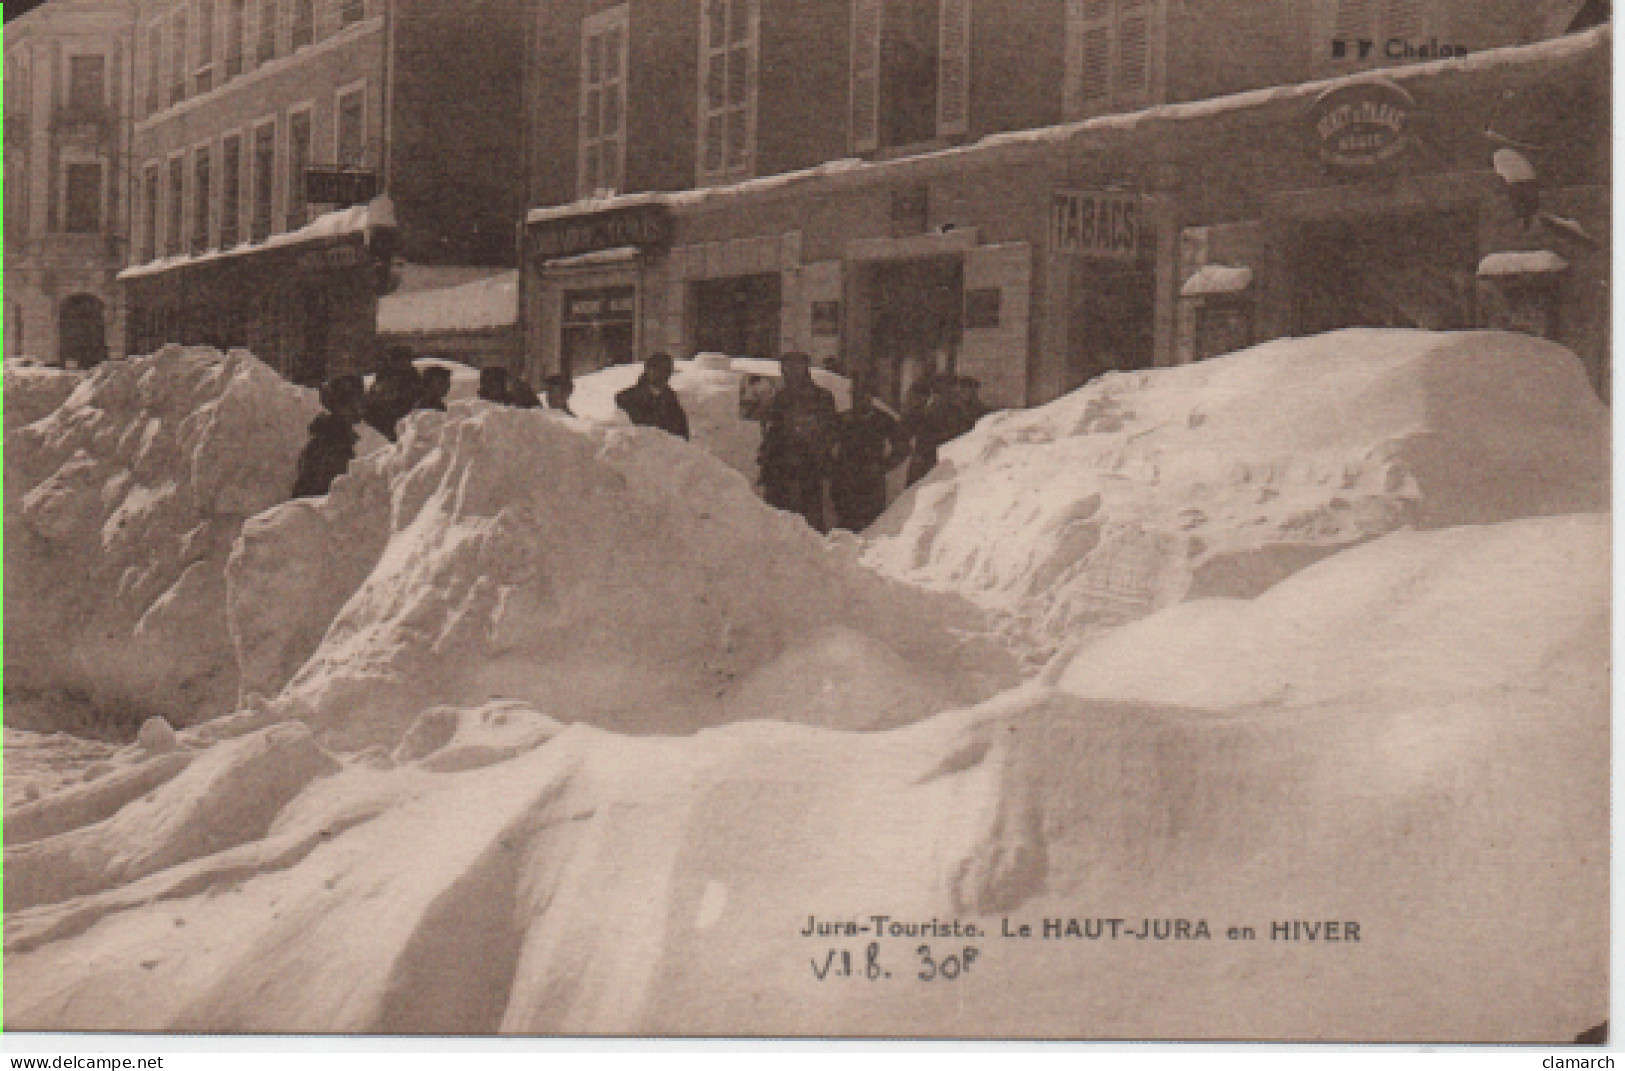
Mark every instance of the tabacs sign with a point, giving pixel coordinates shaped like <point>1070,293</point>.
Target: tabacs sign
<point>634,225</point>
<point>1362,126</point>
<point>1097,224</point>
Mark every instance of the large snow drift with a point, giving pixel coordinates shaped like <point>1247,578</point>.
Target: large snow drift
<point>125,489</point>
<point>1452,807</point>
<point>618,576</point>
<point>1224,477</point>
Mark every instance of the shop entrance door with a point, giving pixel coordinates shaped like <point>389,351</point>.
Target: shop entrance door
<point>915,308</point>
<point>1111,322</point>
<point>738,316</point>
<point>1411,270</point>
<point>80,332</point>
<point>599,329</point>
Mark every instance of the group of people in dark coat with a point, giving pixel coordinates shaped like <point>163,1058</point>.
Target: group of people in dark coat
<point>398,389</point>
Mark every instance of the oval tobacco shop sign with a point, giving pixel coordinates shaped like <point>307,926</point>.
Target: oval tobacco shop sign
<point>1363,125</point>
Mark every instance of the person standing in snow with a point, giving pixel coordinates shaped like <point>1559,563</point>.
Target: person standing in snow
<point>797,433</point>
<point>927,419</point>
<point>435,387</point>
<point>868,444</point>
<point>494,386</point>
<point>332,437</point>
<point>394,392</point>
<point>558,389</point>
<point>651,403</point>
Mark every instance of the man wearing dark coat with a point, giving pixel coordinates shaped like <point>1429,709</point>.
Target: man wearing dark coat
<point>651,403</point>
<point>797,435</point>
<point>332,437</point>
<point>394,392</point>
<point>868,444</point>
<point>435,387</point>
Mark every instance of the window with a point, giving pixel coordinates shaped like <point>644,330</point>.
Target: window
<point>304,24</point>
<point>87,84</point>
<point>149,230</point>
<point>1361,29</point>
<point>264,180</point>
<point>910,72</point>
<point>352,11</point>
<point>729,32</point>
<point>231,190</point>
<point>298,161</point>
<point>236,30</point>
<point>155,67</point>
<point>602,141</point>
<point>84,198</point>
<point>202,198</point>
<point>267,46</point>
<point>352,127</point>
<point>1111,54</point>
<point>177,57</point>
<point>177,206</point>
<point>205,45</point>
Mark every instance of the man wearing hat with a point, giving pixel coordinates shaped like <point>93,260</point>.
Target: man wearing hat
<point>797,430</point>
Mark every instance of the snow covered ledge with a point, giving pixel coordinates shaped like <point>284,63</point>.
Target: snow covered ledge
<point>365,219</point>
<point>1521,262</point>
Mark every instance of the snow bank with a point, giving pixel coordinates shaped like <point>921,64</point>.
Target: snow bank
<point>32,391</point>
<point>617,576</point>
<point>121,506</point>
<point>594,883</point>
<point>1223,477</point>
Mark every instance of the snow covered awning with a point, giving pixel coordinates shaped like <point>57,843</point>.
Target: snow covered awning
<point>621,254</point>
<point>482,305</point>
<point>329,227</point>
<point>1212,280</point>
<point>1521,262</point>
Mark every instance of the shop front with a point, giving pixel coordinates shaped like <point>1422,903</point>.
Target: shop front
<point>305,303</point>
<point>585,284</point>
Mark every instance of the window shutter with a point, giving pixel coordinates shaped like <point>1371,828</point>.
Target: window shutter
<point>865,75</point>
<point>1089,54</point>
<point>1133,48</point>
<point>1406,20</point>
<point>953,69</point>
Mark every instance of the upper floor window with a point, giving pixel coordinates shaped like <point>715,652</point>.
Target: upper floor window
<point>910,72</point>
<point>729,36</point>
<point>304,24</point>
<point>236,34</point>
<point>1362,30</point>
<point>177,206</point>
<point>87,83</point>
<point>352,11</point>
<point>602,153</point>
<point>264,181</point>
<point>231,190</point>
<point>84,198</point>
<point>205,45</point>
<point>155,67</point>
<point>202,197</point>
<point>1111,54</point>
<point>177,57</point>
<point>149,213</point>
<point>351,142</point>
<point>266,52</point>
<point>298,161</point>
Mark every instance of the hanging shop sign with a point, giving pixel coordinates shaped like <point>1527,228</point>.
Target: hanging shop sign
<point>1362,126</point>
<point>340,186</point>
<point>636,225</point>
<point>1105,224</point>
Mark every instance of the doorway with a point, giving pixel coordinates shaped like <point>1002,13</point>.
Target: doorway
<point>1413,270</point>
<point>738,316</point>
<point>915,309</point>
<point>81,332</point>
<point>1111,321</point>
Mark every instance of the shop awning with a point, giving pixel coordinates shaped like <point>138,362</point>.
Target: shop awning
<point>621,254</point>
<point>330,227</point>
<point>1521,262</point>
<point>1216,279</point>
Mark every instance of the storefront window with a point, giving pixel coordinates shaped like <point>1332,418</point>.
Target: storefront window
<point>738,316</point>
<point>598,329</point>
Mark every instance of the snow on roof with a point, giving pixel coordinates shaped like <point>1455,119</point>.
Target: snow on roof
<point>618,255</point>
<point>996,148</point>
<point>476,306</point>
<point>1522,262</point>
<point>330,225</point>
<point>1217,279</point>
